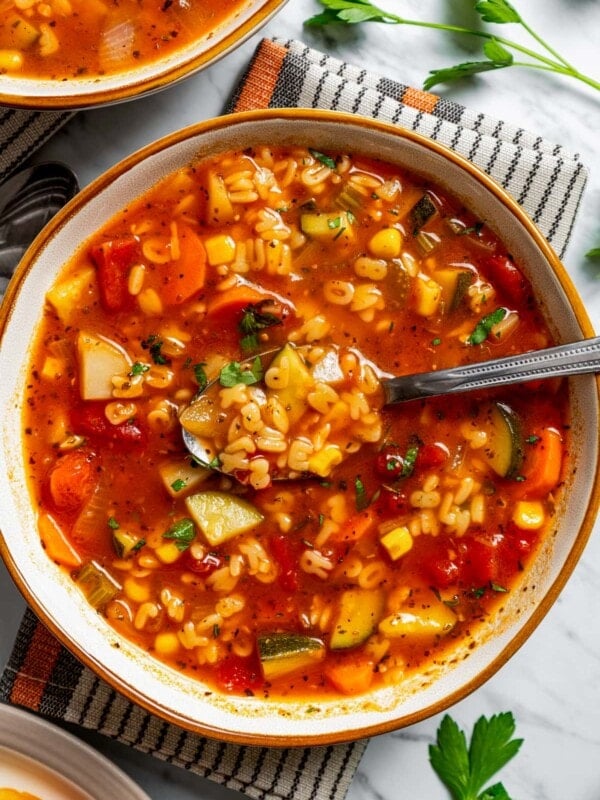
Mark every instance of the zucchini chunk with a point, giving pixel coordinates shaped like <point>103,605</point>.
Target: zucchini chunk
<point>454,282</point>
<point>293,394</point>
<point>505,447</point>
<point>433,619</point>
<point>283,653</point>
<point>421,212</point>
<point>359,613</point>
<point>221,516</point>
<point>326,226</point>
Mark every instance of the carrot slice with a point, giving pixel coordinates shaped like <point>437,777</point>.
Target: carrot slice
<point>187,274</point>
<point>55,542</point>
<point>354,528</point>
<point>350,676</point>
<point>542,465</point>
<point>227,305</point>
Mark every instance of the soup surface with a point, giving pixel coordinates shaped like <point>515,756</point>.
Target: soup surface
<point>62,39</point>
<point>403,527</point>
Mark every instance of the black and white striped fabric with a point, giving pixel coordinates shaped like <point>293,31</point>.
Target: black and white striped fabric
<point>544,178</point>
<point>23,132</point>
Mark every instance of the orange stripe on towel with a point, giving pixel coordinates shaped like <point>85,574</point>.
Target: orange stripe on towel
<point>34,674</point>
<point>262,77</point>
<point>423,101</point>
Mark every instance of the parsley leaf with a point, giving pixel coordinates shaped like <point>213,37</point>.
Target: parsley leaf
<point>137,368</point>
<point>409,461</point>
<point>351,12</point>
<point>593,253</point>
<point>233,373</point>
<point>464,70</point>
<point>485,325</point>
<point>154,345</point>
<point>255,319</point>
<point>178,485</point>
<point>200,375</point>
<point>182,532</point>
<point>360,495</point>
<point>499,11</point>
<point>327,160</point>
<point>465,770</point>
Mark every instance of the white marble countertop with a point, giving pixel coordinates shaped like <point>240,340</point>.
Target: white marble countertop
<point>552,684</point>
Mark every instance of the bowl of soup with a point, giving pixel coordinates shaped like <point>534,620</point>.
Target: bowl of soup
<point>333,567</point>
<point>81,53</point>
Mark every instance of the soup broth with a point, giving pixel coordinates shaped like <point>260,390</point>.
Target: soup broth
<point>403,527</point>
<point>63,39</point>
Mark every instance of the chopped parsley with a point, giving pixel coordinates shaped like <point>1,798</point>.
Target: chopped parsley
<point>182,533</point>
<point>360,495</point>
<point>178,485</point>
<point>533,439</point>
<point>154,346</point>
<point>327,160</point>
<point>409,461</point>
<point>233,373</point>
<point>484,326</point>
<point>113,524</point>
<point>138,368</point>
<point>200,375</point>
<point>255,319</point>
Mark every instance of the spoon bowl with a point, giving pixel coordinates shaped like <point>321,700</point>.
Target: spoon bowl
<point>28,200</point>
<point>574,358</point>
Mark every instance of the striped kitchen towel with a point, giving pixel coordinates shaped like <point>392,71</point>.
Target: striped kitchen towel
<point>23,132</point>
<point>544,178</point>
<point>41,675</point>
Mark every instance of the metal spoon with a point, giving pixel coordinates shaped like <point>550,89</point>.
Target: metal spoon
<point>28,200</point>
<point>575,358</point>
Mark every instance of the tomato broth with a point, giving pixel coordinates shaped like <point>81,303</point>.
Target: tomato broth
<point>403,527</point>
<point>66,39</point>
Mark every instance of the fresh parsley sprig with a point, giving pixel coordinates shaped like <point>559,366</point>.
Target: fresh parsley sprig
<point>499,52</point>
<point>466,769</point>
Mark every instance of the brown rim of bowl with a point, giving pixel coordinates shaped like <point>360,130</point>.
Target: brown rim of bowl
<point>140,87</point>
<point>197,726</point>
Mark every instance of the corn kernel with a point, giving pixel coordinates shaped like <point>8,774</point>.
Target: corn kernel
<point>10,60</point>
<point>53,368</point>
<point>166,644</point>
<point>135,590</point>
<point>323,462</point>
<point>168,553</point>
<point>386,243</point>
<point>427,296</point>
<point>397,542</point>
<point>529,515</point>
<point>220,249</point>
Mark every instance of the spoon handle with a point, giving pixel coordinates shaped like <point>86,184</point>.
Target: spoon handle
<point>574,358</point>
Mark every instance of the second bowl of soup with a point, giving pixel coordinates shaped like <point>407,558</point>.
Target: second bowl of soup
<point>80,53</point>
<point>332,566</point>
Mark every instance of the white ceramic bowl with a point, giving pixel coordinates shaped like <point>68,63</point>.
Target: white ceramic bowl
<point>96,90</point>
<point>56,599</point>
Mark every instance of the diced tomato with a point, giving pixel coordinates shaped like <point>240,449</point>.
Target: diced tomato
<point>431,455</point>
<point>287,561</point>
<point>478,563</point>
<point>89,419</point>
<point>467,562</point>
<point>389,463</point>
<point>113,261</point>
<point>203,566</point>
<point>392,503</point>
<point>440,570</point>
<point>505,274</point>
<point>236,674</point>
<point>73,479</point>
